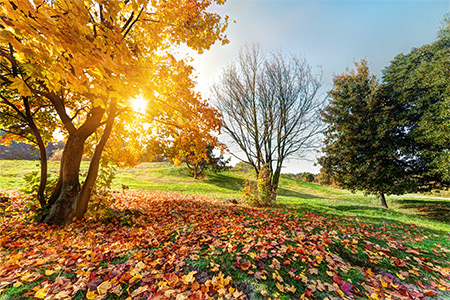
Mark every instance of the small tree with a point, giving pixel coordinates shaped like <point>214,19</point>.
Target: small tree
<point>362,140</point>
<point>270,109</point>
<point>216,164</point>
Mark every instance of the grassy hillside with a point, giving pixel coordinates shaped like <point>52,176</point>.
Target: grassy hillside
<point>431,213</point>
<point>317,242</point>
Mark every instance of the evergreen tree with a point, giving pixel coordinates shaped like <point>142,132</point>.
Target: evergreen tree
<point>362,140</point>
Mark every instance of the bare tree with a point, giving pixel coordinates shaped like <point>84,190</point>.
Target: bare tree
<point>270,108</point>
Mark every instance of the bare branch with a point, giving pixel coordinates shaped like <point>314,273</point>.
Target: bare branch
<point>270,108</point>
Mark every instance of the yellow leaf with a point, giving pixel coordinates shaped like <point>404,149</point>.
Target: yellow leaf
<point>63,295</point>
<point>168,293</point>
<point>340,292</point>
<point>21,86</point>
<point>49,272</point>
<point>374,296</point>
<point>17,284</point>
<point>103,287</point>
<point>215,269</point>
<point>99,102</point>
<point>26,276</point>
<point>40,294</point>
<point>181,297</point>
<point>280,287</point>
<point>189,278</point>
<point>291,289</point>
<point>117,290</point>
<point>91,295</point>
<point>135,277</point>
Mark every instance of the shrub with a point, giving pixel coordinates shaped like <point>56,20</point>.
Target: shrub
<point>259,193</point>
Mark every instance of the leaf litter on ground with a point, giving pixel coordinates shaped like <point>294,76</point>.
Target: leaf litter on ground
<point>158,245</point>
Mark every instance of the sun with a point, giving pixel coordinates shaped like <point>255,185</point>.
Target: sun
<point>139,104</point>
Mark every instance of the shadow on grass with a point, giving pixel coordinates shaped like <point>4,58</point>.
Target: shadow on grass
<point>225,181</point>
<point>376,216</point>
<point>236,184</point>
<point>290,193</point>
<point>438,210</point>
<point>344,208</point>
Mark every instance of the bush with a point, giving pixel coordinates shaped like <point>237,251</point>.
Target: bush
<point>259,193</point>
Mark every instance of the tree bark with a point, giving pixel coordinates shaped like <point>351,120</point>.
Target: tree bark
<point>65,197</point>
<point>383,200</point>
<point>44,166</point>
<point>63,210</point>
<point>88,185</point>
<point>195,171</point>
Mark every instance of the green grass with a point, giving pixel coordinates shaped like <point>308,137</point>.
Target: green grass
<point>294,194</point>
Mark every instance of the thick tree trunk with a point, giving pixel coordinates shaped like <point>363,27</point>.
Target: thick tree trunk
<point>63,209</point>
<point>64,198</point>
<point>383,200</point>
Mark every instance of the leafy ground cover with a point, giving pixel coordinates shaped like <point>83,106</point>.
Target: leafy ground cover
<point>159,245</point>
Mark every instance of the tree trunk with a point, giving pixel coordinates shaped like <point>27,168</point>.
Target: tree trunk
<point>195,170</point>
<point>44,165</point>
<point>275,179</point>
<point>88,185</point>
<point>383,200</point>
<point>63,210</point>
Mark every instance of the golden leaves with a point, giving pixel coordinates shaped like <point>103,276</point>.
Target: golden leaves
<point>20,85</point>
<point>189,278</point>
<point>80,43</point>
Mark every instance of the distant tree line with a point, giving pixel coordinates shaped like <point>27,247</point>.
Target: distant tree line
<point>391,136</point>
<point>23,151</point>
<point>305,176</point>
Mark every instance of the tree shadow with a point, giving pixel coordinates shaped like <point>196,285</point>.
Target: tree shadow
<point>236,184</point>
<point>438,210</point>
<point>344,208</point>
<point>225,181</point>
<point>290,193</point>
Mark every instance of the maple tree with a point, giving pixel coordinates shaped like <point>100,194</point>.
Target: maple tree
<point>88,58</point>
<point>211,162</point>
<point>185,136</point>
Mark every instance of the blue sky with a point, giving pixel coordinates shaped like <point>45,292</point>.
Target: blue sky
<point>330,34</point>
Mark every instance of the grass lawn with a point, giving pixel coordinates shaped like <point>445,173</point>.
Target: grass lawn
<point>173,237</point>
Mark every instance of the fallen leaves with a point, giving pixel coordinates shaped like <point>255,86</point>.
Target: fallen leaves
<point>157,255</point>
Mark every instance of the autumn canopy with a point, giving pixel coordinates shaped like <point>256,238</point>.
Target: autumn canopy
<point>75,65</point>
